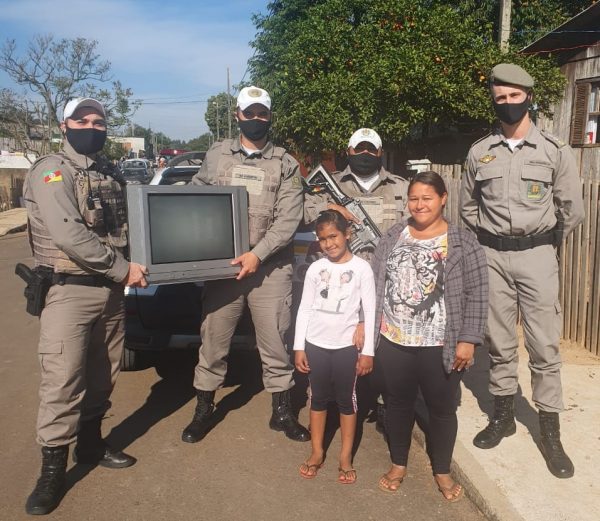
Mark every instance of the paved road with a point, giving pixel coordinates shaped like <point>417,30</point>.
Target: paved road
<point>240,471</point>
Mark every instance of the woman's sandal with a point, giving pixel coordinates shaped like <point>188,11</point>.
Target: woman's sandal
<point>453,493</point>
<point>309,471</point>
<point>390,482</point>
<point>346,477</point>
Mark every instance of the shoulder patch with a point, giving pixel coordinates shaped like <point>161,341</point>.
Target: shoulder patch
<point>52,176</point>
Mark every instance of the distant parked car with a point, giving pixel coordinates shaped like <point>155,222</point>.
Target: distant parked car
<point>137,171</point>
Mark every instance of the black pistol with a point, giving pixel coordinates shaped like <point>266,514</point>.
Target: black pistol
<point>38,283</point>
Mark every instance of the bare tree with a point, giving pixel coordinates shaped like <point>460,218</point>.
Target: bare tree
<point>24,123</point>
<point>55,71</point>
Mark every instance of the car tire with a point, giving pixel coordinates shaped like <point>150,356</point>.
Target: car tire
<point>132,360</point>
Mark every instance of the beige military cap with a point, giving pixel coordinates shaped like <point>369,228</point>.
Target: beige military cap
<point>509,73</point>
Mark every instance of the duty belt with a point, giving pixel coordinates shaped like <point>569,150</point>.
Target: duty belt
<point>99,281</point>
<point>515,243</point>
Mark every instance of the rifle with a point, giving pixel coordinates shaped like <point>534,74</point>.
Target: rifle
<point>38,282</point>
<point>365,233</point>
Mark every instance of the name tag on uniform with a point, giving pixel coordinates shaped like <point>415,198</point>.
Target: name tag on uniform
<point>374,207</point>
<point>249,176</point>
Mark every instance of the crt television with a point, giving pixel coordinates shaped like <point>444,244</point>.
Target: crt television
<point>187,233</point>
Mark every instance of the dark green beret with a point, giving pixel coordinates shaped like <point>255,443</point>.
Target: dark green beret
<point>509,73</point>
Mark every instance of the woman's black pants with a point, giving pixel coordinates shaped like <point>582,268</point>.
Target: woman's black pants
<point>405,369</point>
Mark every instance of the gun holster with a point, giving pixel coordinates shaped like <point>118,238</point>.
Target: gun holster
<point>38,282</point>
<point>559,229</point>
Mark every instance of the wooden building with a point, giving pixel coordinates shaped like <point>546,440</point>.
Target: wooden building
<point>576,119</point>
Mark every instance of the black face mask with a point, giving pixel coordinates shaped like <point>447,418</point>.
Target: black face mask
<point>511,113</point>
<point>254,129</point>
<point>364,164</point>
<point>86,141</point>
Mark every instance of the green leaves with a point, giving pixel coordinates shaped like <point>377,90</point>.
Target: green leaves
<point>219,115</point>
<point>398,66</point>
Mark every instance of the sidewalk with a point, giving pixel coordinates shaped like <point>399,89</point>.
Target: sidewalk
<point>511,481</point>
<point>14,220</point>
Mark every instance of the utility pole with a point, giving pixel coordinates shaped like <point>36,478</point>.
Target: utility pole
<point>228,107</point>
<point>217,104</point>
<point>504,29</point>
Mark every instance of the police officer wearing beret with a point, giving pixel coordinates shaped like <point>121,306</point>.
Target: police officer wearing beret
<point>272,178</point>
<point>77,226</point>
<point>521,194</point>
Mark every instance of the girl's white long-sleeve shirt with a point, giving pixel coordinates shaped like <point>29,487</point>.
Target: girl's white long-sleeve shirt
<point>331,301</point>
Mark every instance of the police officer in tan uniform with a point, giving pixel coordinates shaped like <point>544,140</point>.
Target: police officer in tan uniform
<point>271,177</point>
<point>77,227</point>
<point>381,194</point>
<point>521,194</point>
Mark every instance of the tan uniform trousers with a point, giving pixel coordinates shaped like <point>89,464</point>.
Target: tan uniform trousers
<point>81,342</point>
<point>525,282</point>
<point>268,293</point>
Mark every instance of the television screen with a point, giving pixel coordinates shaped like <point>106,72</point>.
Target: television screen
<point>190,227</point>
<point>187,233</point>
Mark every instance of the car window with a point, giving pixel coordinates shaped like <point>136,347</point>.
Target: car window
<point>177,176</point>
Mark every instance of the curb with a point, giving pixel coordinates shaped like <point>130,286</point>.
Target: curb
<point>480,489</point>
<point>12,221</point>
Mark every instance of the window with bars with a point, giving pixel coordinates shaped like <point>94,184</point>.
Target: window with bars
<point>585,127</point>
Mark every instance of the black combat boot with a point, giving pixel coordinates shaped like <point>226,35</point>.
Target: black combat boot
<point>50,487</point>
<point>283,418</point>
<point>502,424</point>
<point>91,449</point>
<point>200,423</point>
<point>557,461</point>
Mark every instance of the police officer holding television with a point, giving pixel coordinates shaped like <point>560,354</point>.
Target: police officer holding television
<point>272,178</point>
<point>77,227</point>
<point>521,194</point>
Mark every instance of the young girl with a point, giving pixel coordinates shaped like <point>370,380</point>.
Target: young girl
<point>335,289</point>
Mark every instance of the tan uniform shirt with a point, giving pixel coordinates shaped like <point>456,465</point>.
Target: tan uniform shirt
<point>517,193</point>
<point>50,197</point>
<point>287,205</point>
<point>384,202</point>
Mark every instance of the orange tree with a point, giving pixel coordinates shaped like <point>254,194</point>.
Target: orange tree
<point>399,66</point>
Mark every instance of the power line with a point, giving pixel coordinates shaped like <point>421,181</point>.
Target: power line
<point>169,97</point>
<point>170,102</point>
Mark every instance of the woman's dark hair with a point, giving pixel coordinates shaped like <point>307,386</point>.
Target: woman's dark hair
<point>332,217</point>
<point>430,178</point>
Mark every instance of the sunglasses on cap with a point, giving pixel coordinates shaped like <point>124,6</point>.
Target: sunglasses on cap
<point>365,146</point>
<point>260,114</point>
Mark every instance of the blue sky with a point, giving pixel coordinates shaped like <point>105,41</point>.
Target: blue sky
<point>166,51</point>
